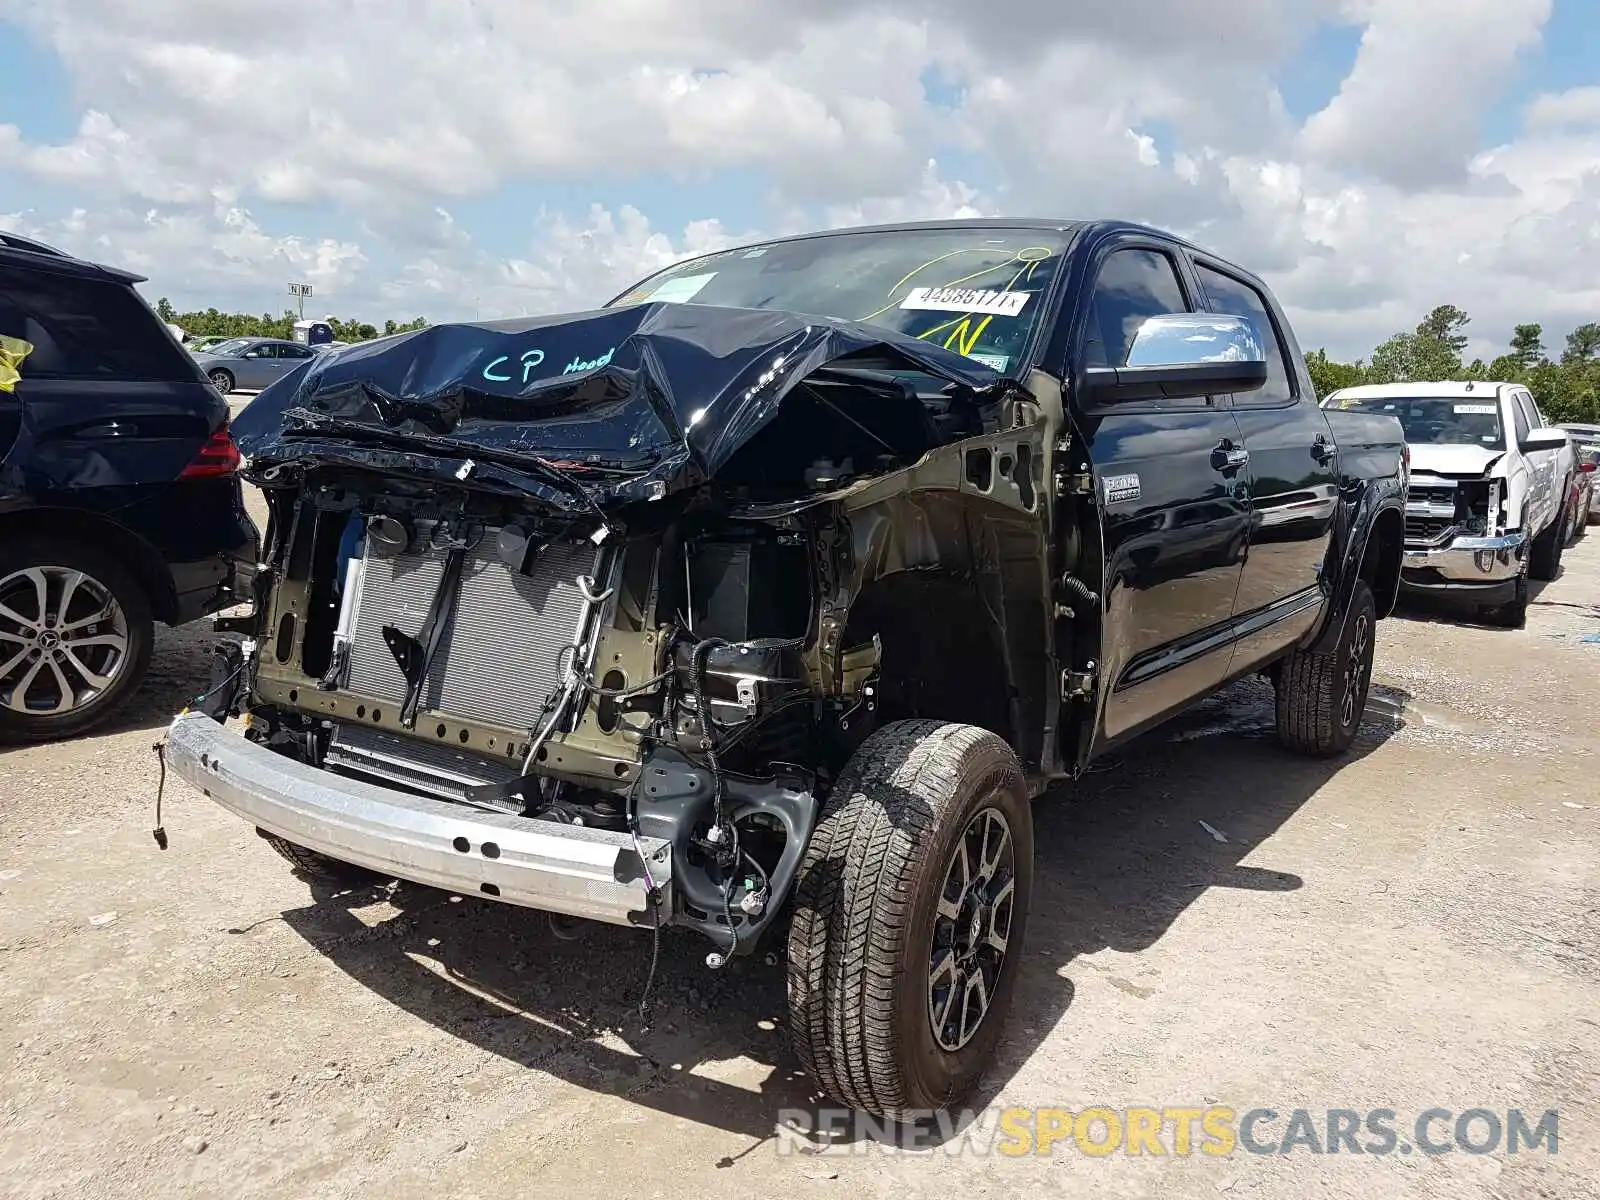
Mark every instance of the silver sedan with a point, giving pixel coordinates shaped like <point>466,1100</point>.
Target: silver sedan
<point>250,364</point>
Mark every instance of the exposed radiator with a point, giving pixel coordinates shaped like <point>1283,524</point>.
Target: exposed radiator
<point>498,660</point>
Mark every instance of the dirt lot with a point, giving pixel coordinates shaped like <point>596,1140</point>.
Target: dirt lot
<point>1415,927</point>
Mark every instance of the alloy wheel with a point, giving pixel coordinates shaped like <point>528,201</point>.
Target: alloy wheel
<point>1355,670</point>
<point>972,928</point>
<point>64,640</point>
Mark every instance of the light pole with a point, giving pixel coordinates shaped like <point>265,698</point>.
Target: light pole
<point>301,291</point>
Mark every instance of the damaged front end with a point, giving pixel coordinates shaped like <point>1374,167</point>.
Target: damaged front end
<point>585,614</point>
<point>1457,536</point>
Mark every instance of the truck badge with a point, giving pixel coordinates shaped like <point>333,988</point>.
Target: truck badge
<point>1121,487</point>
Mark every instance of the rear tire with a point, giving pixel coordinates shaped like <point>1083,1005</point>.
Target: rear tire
<point>58,643</point>
<point>909,918</point>
<point>318,867</point>
<point>1320,697</point>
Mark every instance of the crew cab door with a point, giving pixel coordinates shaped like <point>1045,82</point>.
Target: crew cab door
<point>1293,478</point>
<point>1174,507</point>
<point>1545,485</point>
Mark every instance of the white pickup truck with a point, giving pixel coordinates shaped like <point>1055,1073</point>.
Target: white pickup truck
<point>1489,480</point>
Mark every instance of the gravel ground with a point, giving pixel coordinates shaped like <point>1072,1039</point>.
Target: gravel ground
<point>1215,922</point>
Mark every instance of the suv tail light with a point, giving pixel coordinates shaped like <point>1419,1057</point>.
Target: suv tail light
<point>219,456</point>
<point>1587,467</point>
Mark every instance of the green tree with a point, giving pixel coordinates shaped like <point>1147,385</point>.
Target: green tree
<point>1431,351</point>
<point>1328,376</point>
<point>1396,360</point>
<point>1583,344</point>
<point>1527,345</point>
<point>1445,326</point>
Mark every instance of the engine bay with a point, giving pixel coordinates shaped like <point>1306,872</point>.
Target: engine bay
<point>649,680</point>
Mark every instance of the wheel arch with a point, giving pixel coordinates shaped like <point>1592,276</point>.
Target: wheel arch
<point>1373,552</point>
<point>136,555</point>
<point>953,586</point>
<point>1380,562</point>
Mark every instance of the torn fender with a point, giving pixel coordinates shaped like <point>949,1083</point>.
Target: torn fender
<point>634,402</point>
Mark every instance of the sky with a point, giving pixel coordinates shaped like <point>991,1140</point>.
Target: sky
<point>466,159</point>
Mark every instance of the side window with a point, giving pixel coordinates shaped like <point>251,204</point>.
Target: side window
<point>1232,297</point>
<point>86,329</point>
<point>1132,285</point>
<point>296,351</point>
<point>1519,413</point>
<point>1534,414</point>
<point>265,350</point>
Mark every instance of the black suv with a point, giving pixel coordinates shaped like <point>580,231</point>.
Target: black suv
<point>120,502</point>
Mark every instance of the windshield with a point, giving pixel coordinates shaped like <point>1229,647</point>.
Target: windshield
<point>230,347</point>
<point>977,291</point>
<point>1431,421</point>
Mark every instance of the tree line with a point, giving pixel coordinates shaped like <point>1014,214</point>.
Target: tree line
<point>212,323</point>
<point>1566,388</point>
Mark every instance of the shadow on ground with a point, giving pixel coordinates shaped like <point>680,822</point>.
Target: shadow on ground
<point>1441,610</point>
<point>1121,855</point>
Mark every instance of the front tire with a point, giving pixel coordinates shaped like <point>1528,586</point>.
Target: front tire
<point>1515,614</point>
<point>1544,559</point>
<point>909,917</point>
<point>1320,697</point>
<point>221,380</point>
<point>319,868</point>
<point>75,637</point>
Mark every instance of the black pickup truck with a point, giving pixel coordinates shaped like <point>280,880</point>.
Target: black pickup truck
<point>764,599</point>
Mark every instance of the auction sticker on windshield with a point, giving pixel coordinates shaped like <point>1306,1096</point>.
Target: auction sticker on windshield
<point>1476,410</point>
<point>966,300</point>
<point>677,291</point>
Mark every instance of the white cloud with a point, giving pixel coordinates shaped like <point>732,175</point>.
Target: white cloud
<point>221,251</point>
<point>206,155</point>
<point>1409,111</point>
<point>1576,107</point>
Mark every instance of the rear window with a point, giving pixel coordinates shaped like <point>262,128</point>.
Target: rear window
<point>86,329</point>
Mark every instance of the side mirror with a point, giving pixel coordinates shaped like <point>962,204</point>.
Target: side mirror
<point>1181,356</point>
<point>1545,439</point>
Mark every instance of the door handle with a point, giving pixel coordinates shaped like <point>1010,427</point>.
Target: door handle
<point>1228,457</point>
<point>1322,449</point>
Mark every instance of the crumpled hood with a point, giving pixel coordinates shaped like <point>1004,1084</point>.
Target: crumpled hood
<point>1463,459</point>
<point>632,402</point>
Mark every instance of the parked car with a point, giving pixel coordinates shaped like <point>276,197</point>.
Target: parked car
<point>201,345</point>
<point>716,610</point>
<point>1489,491</point>
<point>249,364</point>
<point>119,499</point>
<point>1586,446</point>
